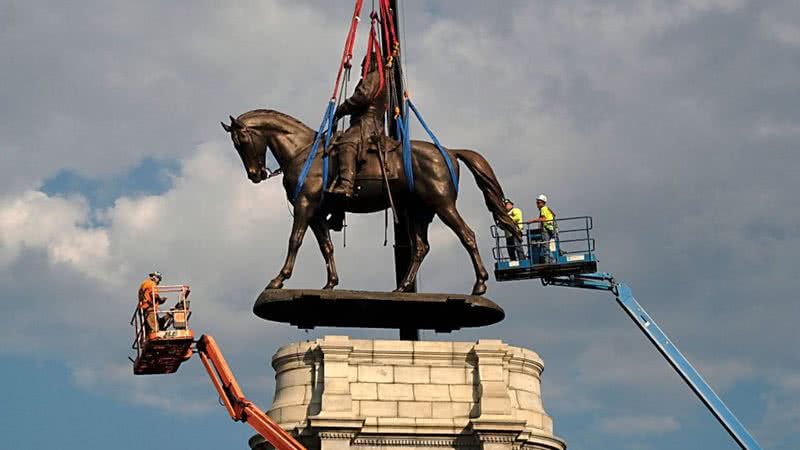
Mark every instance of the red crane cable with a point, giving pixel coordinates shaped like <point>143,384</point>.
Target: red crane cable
<point>374,46</point>
<point>347,54</point>
<point>385,30</point>
<point>388,23</point>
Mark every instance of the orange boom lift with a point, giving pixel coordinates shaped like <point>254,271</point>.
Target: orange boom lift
<point>164,351</point>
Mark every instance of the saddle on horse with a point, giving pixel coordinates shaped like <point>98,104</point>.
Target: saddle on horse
<point>368,159</point>
<point>372,170</point>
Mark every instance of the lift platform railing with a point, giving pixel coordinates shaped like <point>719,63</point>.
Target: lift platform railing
<point>572,236</point>
<point>176,317</point>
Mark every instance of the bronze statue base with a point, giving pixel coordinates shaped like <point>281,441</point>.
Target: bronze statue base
<point>309,308</point>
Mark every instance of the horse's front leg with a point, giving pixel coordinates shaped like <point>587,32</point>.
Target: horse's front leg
<point>319,225</point>
<point>299,227</point>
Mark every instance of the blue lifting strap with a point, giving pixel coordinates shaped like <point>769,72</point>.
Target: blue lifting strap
<point>402,132</point>
<point>435,141</point>
<point>324,128</point>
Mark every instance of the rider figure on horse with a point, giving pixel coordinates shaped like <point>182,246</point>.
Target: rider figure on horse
<point>367,110</point>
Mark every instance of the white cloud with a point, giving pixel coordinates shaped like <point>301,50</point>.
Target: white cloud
<point>773,129</point>
<point>59,226</point>
<point>779,22</point>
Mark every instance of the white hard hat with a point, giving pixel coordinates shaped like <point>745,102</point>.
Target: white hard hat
<point>542,197</point>
<point>155,275</point>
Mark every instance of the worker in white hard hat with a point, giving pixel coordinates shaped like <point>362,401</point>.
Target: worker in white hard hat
<point>547,222</point>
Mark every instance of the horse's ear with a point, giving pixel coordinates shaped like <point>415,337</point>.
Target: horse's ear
<point>236,123</point>
<point>226,126</point>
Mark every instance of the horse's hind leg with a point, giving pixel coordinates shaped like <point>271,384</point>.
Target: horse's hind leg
<point>419,240</point>
<point>299,226</point>
<point>320,228</point>
<point>452,219</point>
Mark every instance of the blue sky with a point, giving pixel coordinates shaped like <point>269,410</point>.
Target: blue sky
<point>149,177</point>
<point>673,123</point>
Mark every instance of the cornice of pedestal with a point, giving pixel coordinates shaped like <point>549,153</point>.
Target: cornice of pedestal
<point>338,424</point>
<point>488,425</point>
<point>295,354</point>
<point>499,429</point>
<point>336,347</point>
<point>292,355</point>
<point>529,439</point>
<point>402,440</point>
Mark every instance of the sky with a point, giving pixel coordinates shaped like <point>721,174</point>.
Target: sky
<point>674,123</point>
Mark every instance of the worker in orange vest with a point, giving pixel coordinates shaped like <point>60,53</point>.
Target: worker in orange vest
<point>148,301</point>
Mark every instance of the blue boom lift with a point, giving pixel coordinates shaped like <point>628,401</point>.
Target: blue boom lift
<point>568,259</point>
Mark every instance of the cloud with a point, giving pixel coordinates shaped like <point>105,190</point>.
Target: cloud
<point>127,81</point>
<point>672,123</point>
<point>162,393</point>
<point>58,226</point>
<point>779,23</point>
<point>209,216</point>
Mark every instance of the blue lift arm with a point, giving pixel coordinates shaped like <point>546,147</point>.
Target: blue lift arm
<point>625,299</point>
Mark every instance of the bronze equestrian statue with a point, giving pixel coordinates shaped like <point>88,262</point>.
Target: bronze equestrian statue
<point>433,193</point>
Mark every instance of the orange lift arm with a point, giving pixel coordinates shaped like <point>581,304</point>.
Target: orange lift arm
<point>239,407</point>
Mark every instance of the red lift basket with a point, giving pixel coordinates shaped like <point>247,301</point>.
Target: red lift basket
<point>163,351</point>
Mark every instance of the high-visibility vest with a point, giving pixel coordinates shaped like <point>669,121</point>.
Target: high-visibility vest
<point>547,215</point>
<point>516,216</point>
<point>147,293</point>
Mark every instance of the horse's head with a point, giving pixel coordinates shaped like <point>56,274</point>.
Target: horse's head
<point>251,145</point>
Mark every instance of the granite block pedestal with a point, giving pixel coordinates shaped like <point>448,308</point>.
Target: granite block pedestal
<point>338,393</point>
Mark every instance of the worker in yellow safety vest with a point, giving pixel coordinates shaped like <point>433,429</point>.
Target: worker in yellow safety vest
<point>514,245</point>
<point>149,301</point>
<point>547,222</point>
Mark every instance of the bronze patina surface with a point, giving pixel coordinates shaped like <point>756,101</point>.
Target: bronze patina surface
<point>309,308</point>
<point>433,194</point>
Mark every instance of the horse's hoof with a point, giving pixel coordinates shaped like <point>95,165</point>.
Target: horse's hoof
<point>479,288</point>
<point>405,287</point>
<point>328,287</point>
<point>275,284</point>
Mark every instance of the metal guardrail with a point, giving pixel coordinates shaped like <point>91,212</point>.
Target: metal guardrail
<point>573,236</point>
<point>167,315</point>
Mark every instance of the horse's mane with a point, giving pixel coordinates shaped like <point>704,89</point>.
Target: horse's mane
<point>279,118</point>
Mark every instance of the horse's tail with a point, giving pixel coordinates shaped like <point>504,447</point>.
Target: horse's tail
<point>488,184</point>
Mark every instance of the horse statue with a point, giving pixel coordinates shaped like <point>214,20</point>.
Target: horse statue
<point>433,193</point>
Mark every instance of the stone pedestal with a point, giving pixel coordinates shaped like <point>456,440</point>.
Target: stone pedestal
<point>338,393</point>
